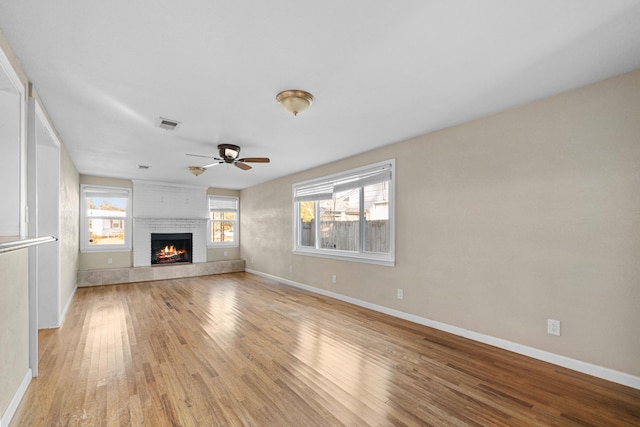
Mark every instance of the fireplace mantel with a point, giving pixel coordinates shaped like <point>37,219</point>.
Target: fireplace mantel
<point>168,221</point>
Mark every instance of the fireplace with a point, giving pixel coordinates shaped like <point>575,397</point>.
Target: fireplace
<point>171,248</point>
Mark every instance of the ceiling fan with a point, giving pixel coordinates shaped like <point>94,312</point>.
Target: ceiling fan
<point>229,154</point>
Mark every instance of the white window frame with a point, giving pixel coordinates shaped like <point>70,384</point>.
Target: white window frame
<point>236,225</point>
<point>324,187</point>
<point>84,223</point>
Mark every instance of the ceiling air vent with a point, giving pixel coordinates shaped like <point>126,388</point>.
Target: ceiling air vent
<point>168,124</point>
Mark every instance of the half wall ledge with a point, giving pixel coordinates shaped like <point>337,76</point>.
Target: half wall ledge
<point>112,276</point>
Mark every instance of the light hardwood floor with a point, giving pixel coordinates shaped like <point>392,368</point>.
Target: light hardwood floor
<point>237,349</point>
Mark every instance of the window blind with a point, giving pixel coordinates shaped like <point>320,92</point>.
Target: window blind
<point>225,204</point>
<point>317,191</point>
<point>325,188</point>
<point>107,193</point>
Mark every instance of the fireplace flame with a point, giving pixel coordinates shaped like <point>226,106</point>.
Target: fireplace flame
<point>170,252</point>
<point>171,248</point>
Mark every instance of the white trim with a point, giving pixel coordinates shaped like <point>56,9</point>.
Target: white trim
<point>556,359</point>
<point>15,401</point>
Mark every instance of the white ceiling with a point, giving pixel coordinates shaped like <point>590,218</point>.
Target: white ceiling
<point>380,71</point>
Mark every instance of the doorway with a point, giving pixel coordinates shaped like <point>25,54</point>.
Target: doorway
<point>43,177</point>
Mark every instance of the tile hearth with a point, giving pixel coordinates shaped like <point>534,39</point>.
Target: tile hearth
<point>114,276</point>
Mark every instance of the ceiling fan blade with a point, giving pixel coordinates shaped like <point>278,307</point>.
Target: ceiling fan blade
<point>255,160</point>
<point>242,166</point>
<point>212,164</point>
<point>200,155</point>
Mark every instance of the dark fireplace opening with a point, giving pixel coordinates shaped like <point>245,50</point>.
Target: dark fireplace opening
<point>171,248</point>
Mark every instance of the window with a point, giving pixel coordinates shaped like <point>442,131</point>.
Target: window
<point>348,215</point>
<point>223,221</point>
<point>106,218</point>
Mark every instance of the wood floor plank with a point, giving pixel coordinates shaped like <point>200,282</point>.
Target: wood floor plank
<point>240,350</point>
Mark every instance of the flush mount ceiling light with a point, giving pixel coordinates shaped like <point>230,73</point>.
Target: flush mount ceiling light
<point>294,101</point>
<point>196,170</point>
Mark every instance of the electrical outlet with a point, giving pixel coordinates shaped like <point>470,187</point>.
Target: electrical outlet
<point>400,293</point>
<point>226,253</point>
<point>334,279</point>
<point>109,260</point>
<point>553,327</point>
<point>291,269</point>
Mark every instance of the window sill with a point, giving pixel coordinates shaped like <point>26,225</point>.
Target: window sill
<point>222,245</point>
<point>347,256</point>
<point>105,249</point>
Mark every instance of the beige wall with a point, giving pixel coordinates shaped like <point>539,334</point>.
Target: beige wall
<point>69,225</point>
<point>14,323</point>
<point>502,223</point>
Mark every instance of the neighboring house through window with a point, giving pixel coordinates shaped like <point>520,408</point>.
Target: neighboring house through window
<point>348,215</point>
<point>106,218</point>
<point>223,221</point>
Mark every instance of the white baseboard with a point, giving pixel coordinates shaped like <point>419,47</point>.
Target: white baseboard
<point>556,359</point>
<point>15,401</point>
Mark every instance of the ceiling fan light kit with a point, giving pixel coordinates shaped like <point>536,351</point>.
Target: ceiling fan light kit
<point>229,153</point>
<point>294,101</point>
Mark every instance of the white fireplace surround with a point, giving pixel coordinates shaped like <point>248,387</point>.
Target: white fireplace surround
<point>168,208</point>
<point>143,227</point>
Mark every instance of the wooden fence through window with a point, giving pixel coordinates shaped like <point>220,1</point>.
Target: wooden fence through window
<point>345,235</point>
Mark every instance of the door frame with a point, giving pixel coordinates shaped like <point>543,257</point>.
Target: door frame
<point>41,136</point>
